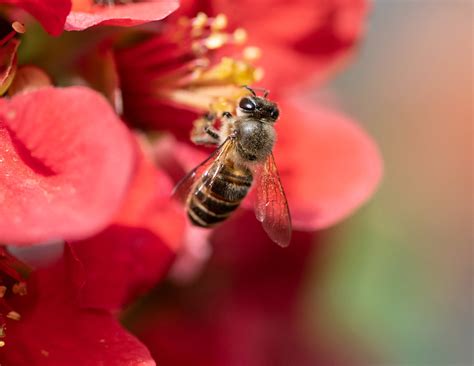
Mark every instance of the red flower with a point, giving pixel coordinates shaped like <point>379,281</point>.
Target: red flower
<point>74,301</point>
<point>327,164</point>
<point>51,13</point>
<point>55,330</point>
<point>64,170</point>
<point>300,40</point>
<point>243,310</point>
<point>141,242</point>
<point>127,13</point>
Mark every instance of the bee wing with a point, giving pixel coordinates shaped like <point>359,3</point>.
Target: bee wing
<point>185,185</point>
<point>271,207</point>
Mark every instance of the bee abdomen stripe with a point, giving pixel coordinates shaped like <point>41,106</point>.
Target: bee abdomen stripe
<point>218,194</point>
<point>215,205</point>
<point>229,191</point>
<point>202,216</point>
<point>239,181</point>
<point>245,177</point>
<point>196,220</point>
<point>203,206</point>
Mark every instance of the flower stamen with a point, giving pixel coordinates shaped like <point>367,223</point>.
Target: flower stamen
<point>187,66</point>
<point>12,275</point>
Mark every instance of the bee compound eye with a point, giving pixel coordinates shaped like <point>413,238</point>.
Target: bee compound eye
<point>275,113</point>
<point>247,104</point>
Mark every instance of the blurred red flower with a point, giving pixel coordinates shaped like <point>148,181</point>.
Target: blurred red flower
<point>246,307</point>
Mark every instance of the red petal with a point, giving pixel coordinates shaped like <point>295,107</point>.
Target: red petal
<point>55,331</point>
<point>125,15</point>
<point>98,68</point>
<point>66,162</point>
<point>149,204</point>
<point>51,13</point>
<point>119,265</point>
<point>328,165</point>
<point>131,256</point>
<point>251,319</point>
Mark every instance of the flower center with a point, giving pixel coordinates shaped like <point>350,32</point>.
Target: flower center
<point>12,283</point>
<point>189,65</point>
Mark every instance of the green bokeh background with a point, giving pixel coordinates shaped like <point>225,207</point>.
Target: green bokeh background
<point>397,276</point>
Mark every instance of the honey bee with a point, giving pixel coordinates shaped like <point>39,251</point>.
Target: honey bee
<point>217,186</point>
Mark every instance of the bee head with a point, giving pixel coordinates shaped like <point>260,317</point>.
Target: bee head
<point>259,108</point>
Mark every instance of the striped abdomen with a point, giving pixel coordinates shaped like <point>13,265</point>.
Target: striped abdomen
<point>218,194</point>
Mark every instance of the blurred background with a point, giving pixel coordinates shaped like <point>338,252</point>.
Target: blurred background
<point>391,285</point>
<point>399,273</point>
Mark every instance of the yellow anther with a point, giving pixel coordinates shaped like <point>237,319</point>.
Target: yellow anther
<point>240,36</point>
<point>13,315</point>
<point>2,343</point>
<point>258,74</point>
<point>200,21</point>
<point>219,22</point>
<point>213,86</point>
<point>252,53</point>
<point>3,289</point>
<point>216,40</point>
<point>222,105</point>
<point>230,71</point>
<point>19,27</point>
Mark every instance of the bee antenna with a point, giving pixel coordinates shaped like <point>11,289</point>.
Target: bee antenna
<point>249,89</point>
<point>252,90</point>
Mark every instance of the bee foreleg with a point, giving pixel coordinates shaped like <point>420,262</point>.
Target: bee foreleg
<point>209,137</point>
<point>228,116</point>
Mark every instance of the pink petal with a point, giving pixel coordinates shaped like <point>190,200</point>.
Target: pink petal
<point>51,13</point>
<point>66,162</point>
<point>328,165</point>
<point>126,15</point>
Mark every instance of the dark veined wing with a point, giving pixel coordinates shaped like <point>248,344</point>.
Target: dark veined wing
<point>185,185</point>
<point>271,207</point>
